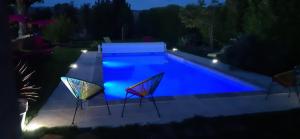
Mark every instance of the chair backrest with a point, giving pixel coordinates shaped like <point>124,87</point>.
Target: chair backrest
<point>107,39</point>
<point>146,87</point>
<point>82,90</point>
<point>225,48</point>
<point>297,74</point>
<point>286,79</point>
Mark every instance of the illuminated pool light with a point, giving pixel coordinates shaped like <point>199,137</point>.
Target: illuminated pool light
<point>116,89</point>
<point>114,64</point>
<point>108,84</point>
<point>215,61</point>
<point>84,51</point>
<point>23,125</point>
<point>74,66</point>
<point>32,127</point>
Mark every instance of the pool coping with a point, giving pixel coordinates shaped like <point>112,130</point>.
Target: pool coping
<point>160,99</point>
<point>218,69</point>
<point>229,76</point>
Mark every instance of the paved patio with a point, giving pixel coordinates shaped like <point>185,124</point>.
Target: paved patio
<point>59,109</point>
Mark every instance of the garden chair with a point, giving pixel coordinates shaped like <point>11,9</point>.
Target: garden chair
<point>107,40</point>
<point>286,79</point>
<point>83,91</point>
<point>143,89</point>
<point>216,54</point>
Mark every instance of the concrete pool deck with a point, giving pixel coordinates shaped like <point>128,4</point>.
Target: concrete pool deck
<point>59,109</point>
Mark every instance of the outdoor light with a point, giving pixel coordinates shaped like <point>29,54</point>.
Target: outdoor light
<point>215,61</point>
<point>73,66</point>
<point>32,127</point>
<point>174,49</point>
<point>84,51</point>
<point>23,125</point>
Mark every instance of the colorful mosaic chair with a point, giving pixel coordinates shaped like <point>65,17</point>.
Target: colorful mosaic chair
<point>107,40</point>
<point>144,89</point>
<point>286,79</point>
<point>83,91</point>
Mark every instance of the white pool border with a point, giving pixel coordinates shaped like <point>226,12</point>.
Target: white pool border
<point>219,73</point>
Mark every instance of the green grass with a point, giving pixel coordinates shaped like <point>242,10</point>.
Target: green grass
<point>48,73</point>
<point>284,124</point>
<point>50,69</point>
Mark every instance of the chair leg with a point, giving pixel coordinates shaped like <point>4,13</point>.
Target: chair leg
<point>141,99</point>
<point>297,91</point>
<point>269,90</point>
<point>125,100</point>
<point>77,105</point>
<point>81,107</point>
<point>289,89</point>
<point>153,100</point>
<point>108,109</point>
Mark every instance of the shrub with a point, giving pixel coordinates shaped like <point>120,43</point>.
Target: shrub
<point>251,53</point>
<point>26,89</point>
<point>60,31</point>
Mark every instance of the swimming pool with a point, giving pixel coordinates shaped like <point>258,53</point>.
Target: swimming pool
<point>181,78</point>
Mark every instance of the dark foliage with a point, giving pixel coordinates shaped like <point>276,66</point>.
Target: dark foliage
<point>61,30</point>
<point>25,88</point>
<point>274,25</point>
<point>40,13</point>
<point>274,30</point>
<point>161,23</point>
<point>270,29</point>
<point>264,125</point>
<point>251,53</point>
<point>27,3</point>
<point>67,10</point>
<point>110,18</point>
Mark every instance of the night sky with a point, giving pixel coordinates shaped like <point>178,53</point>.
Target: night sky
<point>135,4</point>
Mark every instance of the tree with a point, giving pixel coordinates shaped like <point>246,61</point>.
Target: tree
<point>60,31</point>
<point>285,29</point>
<point>67,10</point>
<point>101,20</point>
<point>161,23</point>
<point>85,17</point>
<point>235,13</point>
<point>258,18</point>
<point>122,18</point>
<point>210,19</point>
<point>22,9</point>
<point>40,13</point>
<point>201,17</point>
<point>109,18</point>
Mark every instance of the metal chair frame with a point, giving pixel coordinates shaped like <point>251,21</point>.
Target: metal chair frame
<point>79,101</point>
<point>150,93</point>
<point>290,87</point>
<point>269,90</point>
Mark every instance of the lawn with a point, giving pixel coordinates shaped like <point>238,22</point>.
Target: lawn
<point>50,69</point>
<point>284,124</point>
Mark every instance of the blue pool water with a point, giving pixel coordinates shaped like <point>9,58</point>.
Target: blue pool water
<point>181,76</point>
